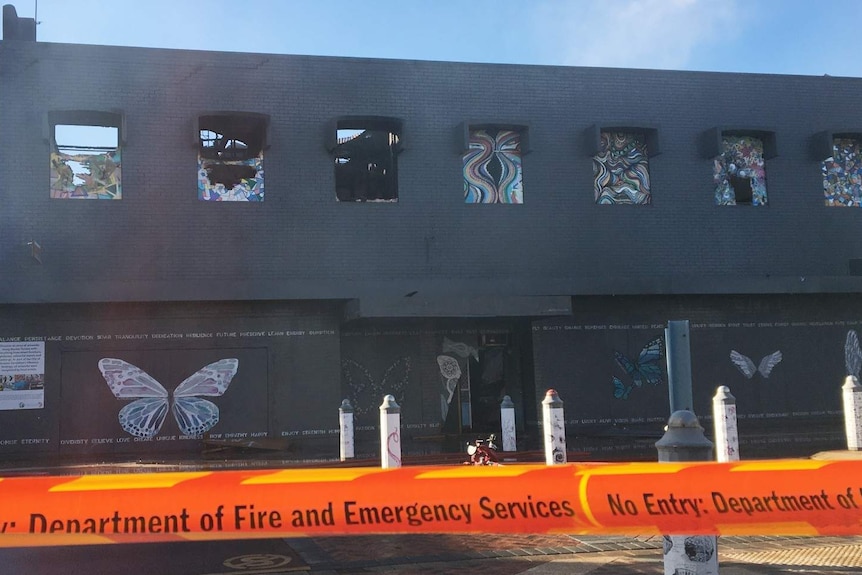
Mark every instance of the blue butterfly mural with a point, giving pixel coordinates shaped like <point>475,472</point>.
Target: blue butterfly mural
<point>647,368</point>
<point>620,389</point>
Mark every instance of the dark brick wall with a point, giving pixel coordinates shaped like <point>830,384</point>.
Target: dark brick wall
<point>794,412</point>
<point>287,386</point>
<point>296,362</point>
<point>161,243</point>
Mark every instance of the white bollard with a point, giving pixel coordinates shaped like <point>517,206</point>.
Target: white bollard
<point>554,428</point>
<point>684,440</point>
<point>724,423</point>
<point>390,433</point>
<point>851,393</point>
<point>507,424</point>
<point>690,554</point>
<point>345,424</point>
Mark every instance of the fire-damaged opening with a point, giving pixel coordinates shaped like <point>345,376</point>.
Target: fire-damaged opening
<point>230,156</point>
<point>85,155</point>
<point>231,137</point>
<point>739,164</point>
<point>741,189</point>
<point>366,159</point>
<point>229,175</point>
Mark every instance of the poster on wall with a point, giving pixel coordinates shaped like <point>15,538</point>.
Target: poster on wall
<point>22,375</point>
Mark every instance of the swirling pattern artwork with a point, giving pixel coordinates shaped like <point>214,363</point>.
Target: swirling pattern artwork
<point>741,157</point>
<point>621,169</point>
<point>842,174</point>
<point>492,168</point>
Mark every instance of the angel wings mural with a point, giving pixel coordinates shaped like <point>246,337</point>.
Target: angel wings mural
<point>747,367</point>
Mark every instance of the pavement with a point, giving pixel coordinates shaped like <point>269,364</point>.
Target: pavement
<point>563,554</point>
<point>439,554</point>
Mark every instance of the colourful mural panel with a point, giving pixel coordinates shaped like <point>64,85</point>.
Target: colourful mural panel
<point>741,160</point>
<point>621,169</point>
<point>230,180</point>
<point>492,168</point>
<point>94,176</point>
<point>842,174</point>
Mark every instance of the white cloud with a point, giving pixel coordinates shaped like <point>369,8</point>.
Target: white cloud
<point>633,33</point>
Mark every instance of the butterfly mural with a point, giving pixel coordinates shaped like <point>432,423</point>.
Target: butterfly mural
<point>367,391</point>
<point>144,416</point>
<point>852,354</point>
<point>746,366</point>
<point>647,368</point>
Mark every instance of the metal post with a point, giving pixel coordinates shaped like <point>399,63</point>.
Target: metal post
<point>678,346</point>
<point>507,424</point>
<point>684,441</point>
<point>724,422</point>
<point>851,393</point>
<point>554,428</point>
<point>345,424</point>
<point>390,433</point>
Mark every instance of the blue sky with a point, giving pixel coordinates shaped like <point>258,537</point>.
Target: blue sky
<point>768,36</point>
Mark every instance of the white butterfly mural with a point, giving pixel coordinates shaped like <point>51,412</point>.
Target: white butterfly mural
<point>144,416</point>
<point>367,391</point>
<point>745,365</point>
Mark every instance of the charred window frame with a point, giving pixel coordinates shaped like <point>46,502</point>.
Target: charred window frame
<point>739,163</point>
<point>491,153</point>
<point>85,156</point>
<point>230,155</point>
<point>15,28</point>
<point>365,152</point>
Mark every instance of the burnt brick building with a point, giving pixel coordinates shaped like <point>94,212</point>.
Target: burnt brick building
<point>308,229</point>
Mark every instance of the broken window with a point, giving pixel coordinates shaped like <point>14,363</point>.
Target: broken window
<point>85,155</point>
<point>739,172</point>
<point>842,173</point>
<point>621,169</point>
<point>742,190</point>
<point>492,166</point>
<point>230,157</point>
<point>366,159</point>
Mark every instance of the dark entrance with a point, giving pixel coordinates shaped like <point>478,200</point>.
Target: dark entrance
<point>488,384</point>
<point>503,366</point>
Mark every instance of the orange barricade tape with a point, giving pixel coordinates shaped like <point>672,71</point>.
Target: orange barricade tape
<point>782,497</point>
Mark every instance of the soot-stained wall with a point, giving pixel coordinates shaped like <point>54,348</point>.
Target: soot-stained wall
<point>72,267</point>
<point>161,242</point>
